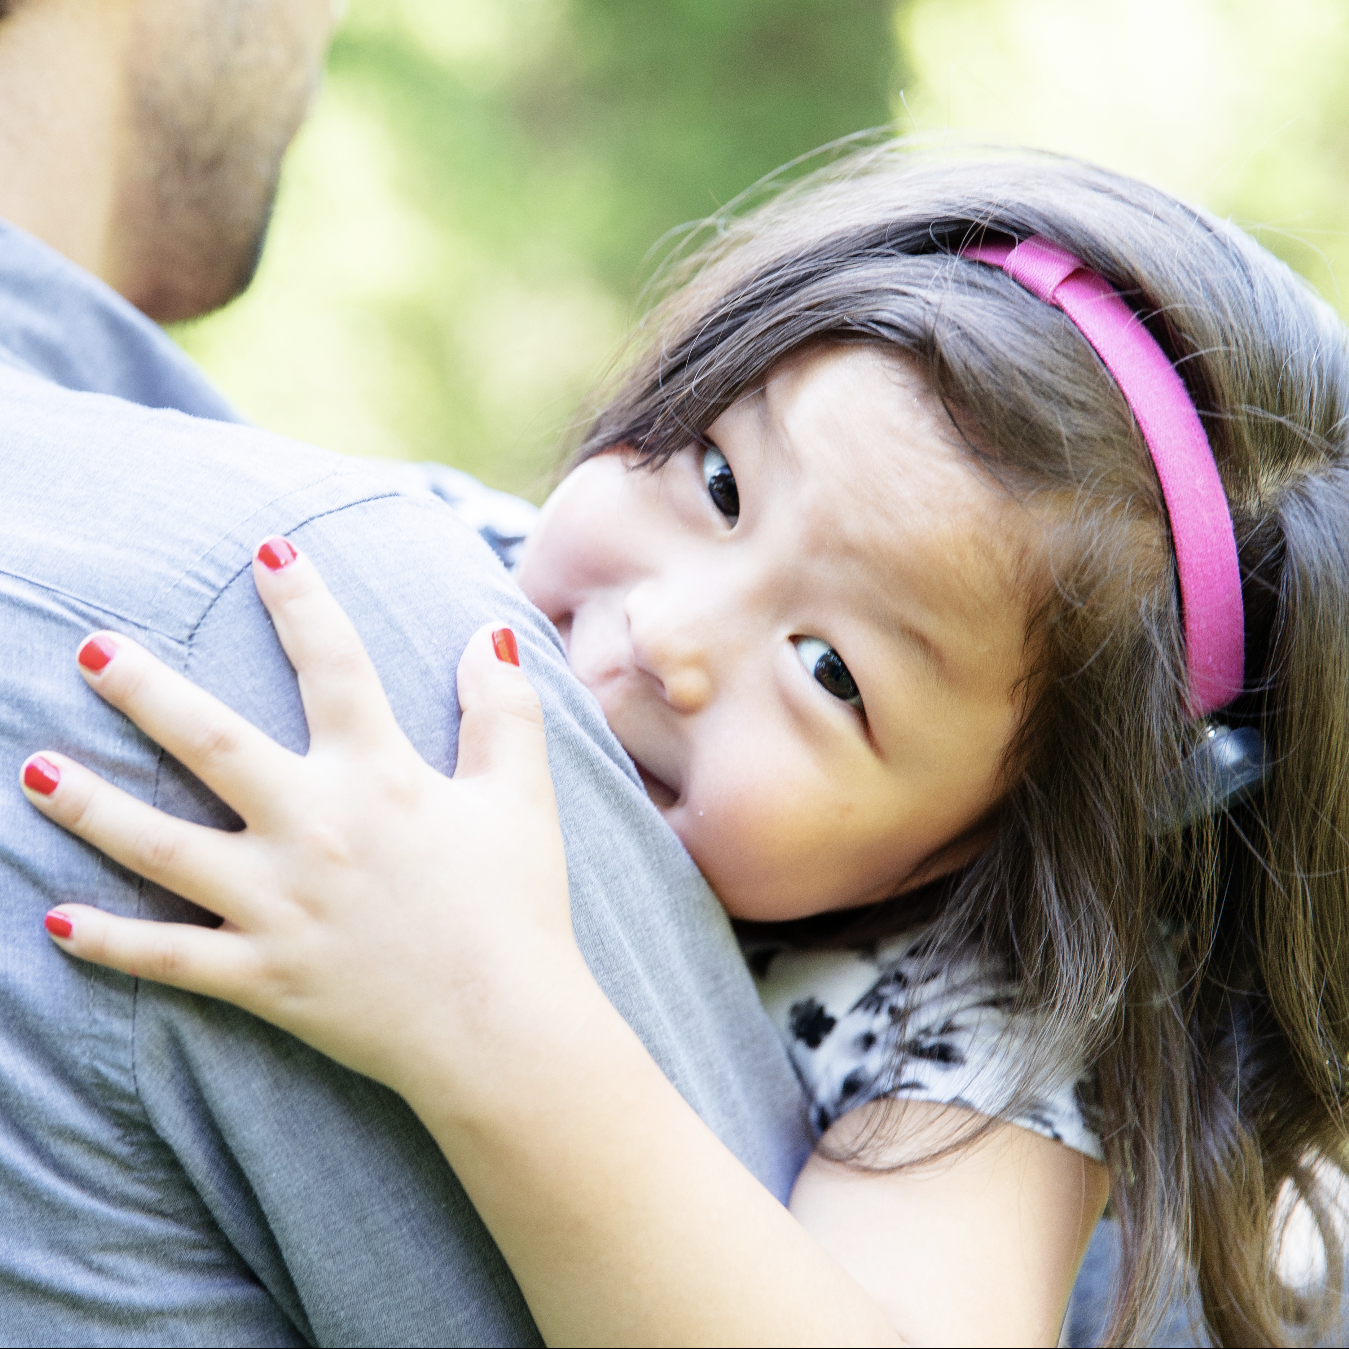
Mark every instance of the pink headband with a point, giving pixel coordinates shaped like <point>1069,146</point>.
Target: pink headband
<point>1201,524</point>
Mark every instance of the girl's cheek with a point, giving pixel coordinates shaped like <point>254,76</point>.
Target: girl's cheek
<point>755,849</point>
<point>591,534</point>
<point>789,848</point>
<point>559,565</point>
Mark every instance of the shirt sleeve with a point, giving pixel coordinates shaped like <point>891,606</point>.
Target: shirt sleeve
<point>501,520</point>
<point>860,1026</point>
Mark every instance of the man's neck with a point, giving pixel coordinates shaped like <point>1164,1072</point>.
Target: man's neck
<point>61,111</point>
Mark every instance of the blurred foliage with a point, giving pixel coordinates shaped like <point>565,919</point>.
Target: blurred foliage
<point>468,218</point>
<point>466,222</point>
<point>1239,105</point>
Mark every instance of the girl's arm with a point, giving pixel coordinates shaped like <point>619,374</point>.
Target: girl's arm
<point>627,1222</point>
<point>417,929</point>
<point>982,1248</point>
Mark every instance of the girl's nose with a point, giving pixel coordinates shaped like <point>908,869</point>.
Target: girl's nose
<point>674,644</point>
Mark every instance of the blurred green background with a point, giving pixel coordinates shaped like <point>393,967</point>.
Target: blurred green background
<point>467,220</point>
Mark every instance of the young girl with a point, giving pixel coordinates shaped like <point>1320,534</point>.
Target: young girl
<point>963,569</point>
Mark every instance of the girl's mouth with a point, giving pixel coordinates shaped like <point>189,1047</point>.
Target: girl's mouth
<point>662,795</point>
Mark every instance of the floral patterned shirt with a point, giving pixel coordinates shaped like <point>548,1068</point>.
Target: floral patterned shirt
<point>862,1026</point>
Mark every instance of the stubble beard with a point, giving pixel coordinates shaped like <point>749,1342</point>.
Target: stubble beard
<point>214,104</point>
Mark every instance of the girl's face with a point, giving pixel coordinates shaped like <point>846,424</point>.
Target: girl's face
<point>808,638</point>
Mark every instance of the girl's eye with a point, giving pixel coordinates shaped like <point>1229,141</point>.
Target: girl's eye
<point>828,669</point>
<point>721,483</point>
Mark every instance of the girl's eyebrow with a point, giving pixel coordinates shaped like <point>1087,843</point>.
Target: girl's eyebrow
<point>882,614</point>
<point>774,435</point>
<point>932,654</point>
<point>880,604</point>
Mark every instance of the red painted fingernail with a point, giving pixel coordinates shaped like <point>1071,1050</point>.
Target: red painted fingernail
<point>96,653</point>
<point>275,553</point>
<point>503,643</point>
<point>58,924</point>
<point>41,775</point>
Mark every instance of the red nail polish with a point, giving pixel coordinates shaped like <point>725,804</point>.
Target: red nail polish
<point>41,775</point>
<point>58,925</point>
<point>275,553</point>
<point>96,653</point>
<point>503,643</point>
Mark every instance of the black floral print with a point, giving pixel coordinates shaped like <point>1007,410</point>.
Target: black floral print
<point>860,1026</point>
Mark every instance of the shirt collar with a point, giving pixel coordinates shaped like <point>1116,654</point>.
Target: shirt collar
<point>63,324</point>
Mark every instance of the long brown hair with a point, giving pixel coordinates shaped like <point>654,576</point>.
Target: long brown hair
<point>1203,969</point>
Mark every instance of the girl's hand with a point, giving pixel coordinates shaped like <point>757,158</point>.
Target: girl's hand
<point>368,898</point>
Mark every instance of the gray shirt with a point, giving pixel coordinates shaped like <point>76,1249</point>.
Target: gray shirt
<point>171,1169</point>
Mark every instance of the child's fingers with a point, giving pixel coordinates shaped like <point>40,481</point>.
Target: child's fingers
<point>204,865</point>
<point>502,726</point>
<point>231,756</point>
<point>339,685</point>
<point>199,959</point>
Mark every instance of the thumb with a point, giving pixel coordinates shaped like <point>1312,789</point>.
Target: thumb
<point>502,727</point>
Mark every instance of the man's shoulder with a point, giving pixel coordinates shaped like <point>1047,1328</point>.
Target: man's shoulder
<point>147,514</point>
<point>160,1130</point>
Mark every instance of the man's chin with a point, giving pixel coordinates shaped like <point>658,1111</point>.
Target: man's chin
<point>199,280</point>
